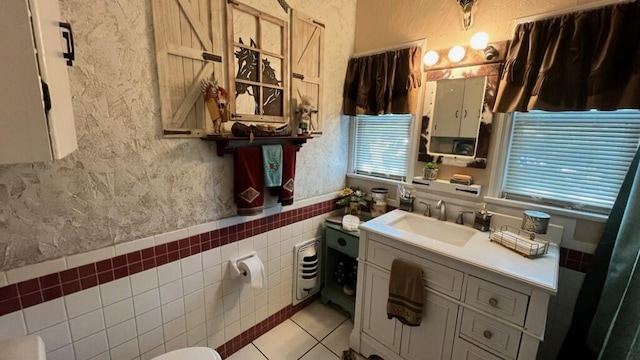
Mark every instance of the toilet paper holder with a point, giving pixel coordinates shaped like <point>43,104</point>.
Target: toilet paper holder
<point>234,263</point>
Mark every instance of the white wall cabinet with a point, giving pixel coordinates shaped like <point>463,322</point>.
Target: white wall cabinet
<point>36,116</point>
<point>457,107</point>
<point>469,313</point>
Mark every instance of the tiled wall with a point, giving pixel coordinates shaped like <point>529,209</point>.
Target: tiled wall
<point>173,294</point>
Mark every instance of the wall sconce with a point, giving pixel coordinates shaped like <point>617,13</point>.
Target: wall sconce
<point>456,53</point>
<point>466,6</point>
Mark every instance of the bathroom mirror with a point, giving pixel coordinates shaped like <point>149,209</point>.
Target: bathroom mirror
<point>456,116</point>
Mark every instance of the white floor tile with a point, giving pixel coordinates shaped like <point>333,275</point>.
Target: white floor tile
<point>248,352</point>
<point>286,341</point>
<point>318,319</point>
<point>338,340</point>
<point>319,352</point>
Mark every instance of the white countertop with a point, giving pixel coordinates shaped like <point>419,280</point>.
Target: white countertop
<point>541,272</point>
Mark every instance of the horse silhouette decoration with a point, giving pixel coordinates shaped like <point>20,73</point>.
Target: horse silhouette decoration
<point>248,70</point>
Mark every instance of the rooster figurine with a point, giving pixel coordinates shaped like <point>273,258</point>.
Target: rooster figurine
<point>216,98</point>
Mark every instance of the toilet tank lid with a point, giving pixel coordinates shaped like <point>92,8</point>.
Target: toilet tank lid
<point>192,353</point>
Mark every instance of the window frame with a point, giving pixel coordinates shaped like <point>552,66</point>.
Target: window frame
<point>411,155</point>
<point>498,167</point>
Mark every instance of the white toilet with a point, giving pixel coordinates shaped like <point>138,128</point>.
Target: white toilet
<point>192,353</point>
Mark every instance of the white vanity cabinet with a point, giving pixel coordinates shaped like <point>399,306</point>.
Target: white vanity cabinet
<point>427,341</point>
<point>469,313</point>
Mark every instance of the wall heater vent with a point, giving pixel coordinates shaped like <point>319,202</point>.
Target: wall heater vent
<point>306,272</point>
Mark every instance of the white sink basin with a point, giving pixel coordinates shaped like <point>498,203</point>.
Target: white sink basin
<point>434,229</point>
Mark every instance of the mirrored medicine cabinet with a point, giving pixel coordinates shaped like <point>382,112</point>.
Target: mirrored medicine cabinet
<point>456,117</point>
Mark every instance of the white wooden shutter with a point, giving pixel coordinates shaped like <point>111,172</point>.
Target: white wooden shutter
<point>188,47</point>
<point>307,51</point>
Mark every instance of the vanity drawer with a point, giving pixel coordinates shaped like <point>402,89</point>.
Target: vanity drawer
<point>464,350</point>
<point>490,333</point>
<point>346,244</point>
<point>495,299</point>
<point>437,277</point>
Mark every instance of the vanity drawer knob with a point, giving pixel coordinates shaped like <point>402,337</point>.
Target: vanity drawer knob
<point>342,242</point>
<point>493,302</point>
<point>487,334</point>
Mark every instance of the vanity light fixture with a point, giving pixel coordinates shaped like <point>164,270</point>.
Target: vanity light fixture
<point>431,58</point>
<point>456,53</point>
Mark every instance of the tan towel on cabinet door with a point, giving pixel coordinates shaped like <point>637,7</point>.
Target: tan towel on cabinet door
<point>406,293</point>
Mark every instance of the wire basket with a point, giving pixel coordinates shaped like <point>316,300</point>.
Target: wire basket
<point>521,241</point>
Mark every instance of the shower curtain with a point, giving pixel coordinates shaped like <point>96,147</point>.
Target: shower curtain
<point>606,319</point>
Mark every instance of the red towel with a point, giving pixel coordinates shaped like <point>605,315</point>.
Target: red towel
<point>288,174</point>
<point>248,180</point>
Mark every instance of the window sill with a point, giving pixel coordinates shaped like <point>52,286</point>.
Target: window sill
<point>576,214</point>
<point>377,179</point>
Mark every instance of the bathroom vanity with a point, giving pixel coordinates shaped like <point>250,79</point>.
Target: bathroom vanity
<point>482,301</point>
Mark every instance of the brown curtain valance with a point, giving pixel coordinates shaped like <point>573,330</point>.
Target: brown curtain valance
<point>385,83</point>
<point>578,61</point>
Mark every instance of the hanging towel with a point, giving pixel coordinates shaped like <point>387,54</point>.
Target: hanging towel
<point>248,180</point>
<point>406,295</point>
<point>288,174</point>
<point>272,162</point>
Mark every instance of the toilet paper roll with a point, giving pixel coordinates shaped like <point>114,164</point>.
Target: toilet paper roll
<point>253,271</point>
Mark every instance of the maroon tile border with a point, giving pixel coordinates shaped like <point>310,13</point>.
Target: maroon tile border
<point>35,291</point>
<point>258,330</point>
<point>575,260</point>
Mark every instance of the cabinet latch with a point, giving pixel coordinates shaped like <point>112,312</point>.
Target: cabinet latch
<point>67,34</point>
<point>46,97</point>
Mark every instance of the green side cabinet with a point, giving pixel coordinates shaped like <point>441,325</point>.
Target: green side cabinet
<point>340,267</point>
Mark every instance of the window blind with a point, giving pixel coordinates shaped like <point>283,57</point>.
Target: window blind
<point>382,145</point>
<point>572,159</point>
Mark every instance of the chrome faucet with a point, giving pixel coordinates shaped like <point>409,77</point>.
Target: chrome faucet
<point>443,210</point>
<point>460,219</point>
<point>427,211</point>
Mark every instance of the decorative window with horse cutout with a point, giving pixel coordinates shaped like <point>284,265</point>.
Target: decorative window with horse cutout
<point>257,48</point>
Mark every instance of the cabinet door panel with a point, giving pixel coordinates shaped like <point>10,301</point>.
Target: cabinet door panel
<point>472,106</point>
<point>446,111</point>
<point>433,339</point>
<point>375,321</point>
<point>24,136</point>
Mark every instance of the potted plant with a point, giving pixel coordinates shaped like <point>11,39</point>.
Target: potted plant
<point>352,200</point>
<point>430,171</point>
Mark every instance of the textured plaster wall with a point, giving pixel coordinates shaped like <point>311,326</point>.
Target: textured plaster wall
<point>383,23</point>
<point>126,182</point>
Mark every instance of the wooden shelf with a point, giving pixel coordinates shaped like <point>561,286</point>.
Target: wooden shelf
<point>227,144</point>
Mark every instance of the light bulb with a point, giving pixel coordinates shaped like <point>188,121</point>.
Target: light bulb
<point>456,53</point>
<point>430,58</point>
<point>480,40</point>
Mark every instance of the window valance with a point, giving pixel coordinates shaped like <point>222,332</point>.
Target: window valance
<point>577,61</point>
<point>385,83</point>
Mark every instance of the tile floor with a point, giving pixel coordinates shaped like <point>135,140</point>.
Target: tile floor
<point>318,332</point>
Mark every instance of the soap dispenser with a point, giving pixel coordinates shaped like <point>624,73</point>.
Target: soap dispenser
<point>482,220</point>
